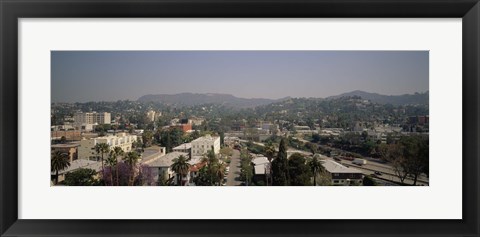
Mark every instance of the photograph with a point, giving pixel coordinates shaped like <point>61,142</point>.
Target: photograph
<point>239,118</point>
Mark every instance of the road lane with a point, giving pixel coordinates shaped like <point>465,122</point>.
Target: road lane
<point>234,173</point>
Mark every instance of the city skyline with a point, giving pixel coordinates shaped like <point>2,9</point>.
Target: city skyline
<point>82,76</point>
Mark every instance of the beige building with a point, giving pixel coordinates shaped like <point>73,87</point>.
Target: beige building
<point>160,167</point>
<point>85,121</point>
<point>203,144</point>
<point>185,147</point>
<point>71,149</point>
<point>87,146</point>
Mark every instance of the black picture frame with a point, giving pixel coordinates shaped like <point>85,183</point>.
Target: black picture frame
<point>11,11</point>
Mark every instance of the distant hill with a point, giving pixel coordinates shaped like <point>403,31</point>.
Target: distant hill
<point>411,99</point>
<point>189,99</point>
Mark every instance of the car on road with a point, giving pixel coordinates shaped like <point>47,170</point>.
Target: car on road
<point>377,173</point>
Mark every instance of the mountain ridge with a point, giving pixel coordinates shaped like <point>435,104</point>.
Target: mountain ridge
<point>191,99</point>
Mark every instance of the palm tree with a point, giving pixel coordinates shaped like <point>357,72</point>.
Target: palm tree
<point>131,158</point>
<point>112,161</point>
<point>119,152</point>
<point>180,166</point>
<point>270,153</point>
<point>59,161</point>
<point>102,148</point>
<point>212,165</point>
<point>219,172</point>
<point>316,166</point>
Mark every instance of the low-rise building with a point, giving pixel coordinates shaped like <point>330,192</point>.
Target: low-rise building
<point>185,147</point>
<point>71,149</point>
<point>342,175</point>
<point>86,150</point>
<point>184,127</point>
<point>160,168</point>
<point>78,164</point>
<point>201,145</point>
<point>261,166</point>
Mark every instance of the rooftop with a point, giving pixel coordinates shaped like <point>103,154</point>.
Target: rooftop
<point>82,163</point>
<point>206,138</point>
<point>260,161</point>
<point>67,145</point>
<point>334,167</point>
<point>166,160</point>
<point>183,146</point>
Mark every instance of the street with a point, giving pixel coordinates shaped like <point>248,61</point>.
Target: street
<point>234,173</point>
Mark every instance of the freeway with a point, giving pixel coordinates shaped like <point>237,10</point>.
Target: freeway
<point>372,166</point>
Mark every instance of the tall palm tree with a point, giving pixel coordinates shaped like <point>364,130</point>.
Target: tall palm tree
<point>219,172</point>
<point>316,166</point>
<point>180,166</point>
<point>270,153</point>
<point>112,161</point>
<point>59,161</point>
<point>119,152</point>
<point>102,148</point>
<point>131,159</point>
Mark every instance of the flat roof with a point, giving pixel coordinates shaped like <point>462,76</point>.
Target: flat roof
<point>183,146</point>
<point>206,138</point>
<point>82,163</point>
<point>67,145</point>
<point>334,167</point>
<point>166,160</point>
<point>260,160</point>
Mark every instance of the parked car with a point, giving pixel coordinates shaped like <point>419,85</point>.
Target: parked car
<point>377,173</point>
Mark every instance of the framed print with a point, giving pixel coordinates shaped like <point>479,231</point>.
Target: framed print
<point>239,118</point>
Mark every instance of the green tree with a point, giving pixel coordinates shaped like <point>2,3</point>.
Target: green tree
<point>226,152</point>
<point>416,152</point>
<point>246,169</point>
<point>316,167</point>
<point>58,162</point>
<point>181,167</point>
<point>147,138</point>
<point>269,153</point>
<point>368,181</point>
<point>280,166</point>
<point>102,148</point>
<point>112,161</point>
<point>81,177</point>
<point>298,170</point>
<point>170,138</point>
<point>131,159</point>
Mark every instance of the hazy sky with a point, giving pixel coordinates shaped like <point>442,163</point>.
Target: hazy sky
<point>80,76</point>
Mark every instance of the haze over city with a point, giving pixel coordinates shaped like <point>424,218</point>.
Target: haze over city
<point>81,76</point>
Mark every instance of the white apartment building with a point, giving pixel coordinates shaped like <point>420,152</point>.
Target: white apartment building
<point>85,121</point>
<point>203,144</point>
<point>86,150</point>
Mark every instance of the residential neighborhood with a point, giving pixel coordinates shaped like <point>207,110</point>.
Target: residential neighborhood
<point>240,118</point>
